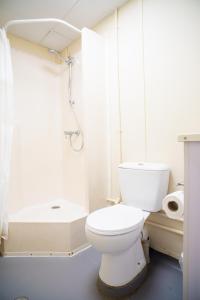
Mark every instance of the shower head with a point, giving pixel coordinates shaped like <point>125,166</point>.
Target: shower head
<point>53,51</point>
<point>67,61</point>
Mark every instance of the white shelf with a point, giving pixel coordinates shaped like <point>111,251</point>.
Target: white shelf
<point>189,138</point>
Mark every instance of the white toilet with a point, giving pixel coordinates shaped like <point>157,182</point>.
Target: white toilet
<point>115,231</point>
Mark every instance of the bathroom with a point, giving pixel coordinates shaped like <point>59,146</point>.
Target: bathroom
<point>97,85</point>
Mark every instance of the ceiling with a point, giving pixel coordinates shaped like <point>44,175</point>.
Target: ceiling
<point>80,13</point>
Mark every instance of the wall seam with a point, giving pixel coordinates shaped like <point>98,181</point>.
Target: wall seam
<point>118,82</point>
<point>144,80</point>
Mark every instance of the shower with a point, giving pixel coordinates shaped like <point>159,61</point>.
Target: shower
<point>76,133</point>
<point>67,61</point>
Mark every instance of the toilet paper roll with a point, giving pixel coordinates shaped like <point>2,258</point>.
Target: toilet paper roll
<point>173,205</point>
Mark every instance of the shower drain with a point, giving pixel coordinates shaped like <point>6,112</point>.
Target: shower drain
<point>55,207</point>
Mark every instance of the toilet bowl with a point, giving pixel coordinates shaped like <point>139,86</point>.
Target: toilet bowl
<point>116,232</point>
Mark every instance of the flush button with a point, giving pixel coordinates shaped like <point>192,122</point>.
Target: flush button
<point>55,207</point>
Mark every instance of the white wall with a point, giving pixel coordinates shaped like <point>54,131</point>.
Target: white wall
<point>172,78</point>
<point>158,55</point>
<point>157,90</point>
<point>36,171</point>
<point>74,162</point>
<point>131,71</point>
<point>85,172</point>
<point>95,118</point>
<point>44,166</point>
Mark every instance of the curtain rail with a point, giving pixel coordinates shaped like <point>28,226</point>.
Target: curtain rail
<point>46,20</point>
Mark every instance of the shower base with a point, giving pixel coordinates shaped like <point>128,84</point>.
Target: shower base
<point>56,228</point>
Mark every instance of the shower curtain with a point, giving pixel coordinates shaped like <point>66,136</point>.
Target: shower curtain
<point>6,127</point>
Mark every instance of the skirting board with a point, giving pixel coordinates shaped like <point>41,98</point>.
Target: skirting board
<point>48,254</point>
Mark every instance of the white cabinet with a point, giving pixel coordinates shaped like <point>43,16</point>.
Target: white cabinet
<point>191,248</point>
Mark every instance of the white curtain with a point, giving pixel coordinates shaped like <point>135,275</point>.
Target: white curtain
<point>6,127</point>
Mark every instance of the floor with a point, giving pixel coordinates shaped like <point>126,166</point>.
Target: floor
<point>74,278</point>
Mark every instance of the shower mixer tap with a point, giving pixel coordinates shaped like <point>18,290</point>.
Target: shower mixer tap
<point>70,133</point>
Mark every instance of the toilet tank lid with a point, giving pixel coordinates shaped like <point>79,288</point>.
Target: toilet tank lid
<point>144,166</point>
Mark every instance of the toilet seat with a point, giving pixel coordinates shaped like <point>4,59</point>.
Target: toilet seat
<point>115,220</point>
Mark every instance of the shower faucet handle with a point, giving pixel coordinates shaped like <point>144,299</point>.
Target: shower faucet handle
<point>71,132</point>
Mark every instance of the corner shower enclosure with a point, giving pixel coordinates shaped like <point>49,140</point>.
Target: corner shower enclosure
<point>52,188</point>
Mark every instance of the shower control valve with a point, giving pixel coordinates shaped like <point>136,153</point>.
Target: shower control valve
<point>70,133</point>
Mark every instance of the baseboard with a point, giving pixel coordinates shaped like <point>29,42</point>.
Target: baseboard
<point>48,254</point>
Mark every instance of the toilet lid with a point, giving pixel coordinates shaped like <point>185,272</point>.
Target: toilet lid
<point>117,219</point>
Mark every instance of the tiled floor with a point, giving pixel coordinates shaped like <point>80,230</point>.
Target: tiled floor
<point>74,278</point>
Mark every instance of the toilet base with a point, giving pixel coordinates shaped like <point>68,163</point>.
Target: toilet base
<point>119,268</point>
<point>118,292</point>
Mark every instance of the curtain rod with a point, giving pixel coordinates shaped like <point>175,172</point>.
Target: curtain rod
<point>54,20</point>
